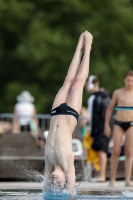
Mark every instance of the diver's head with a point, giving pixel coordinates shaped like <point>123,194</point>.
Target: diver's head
<point>58,178</point>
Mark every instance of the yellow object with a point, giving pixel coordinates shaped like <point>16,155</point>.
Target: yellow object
<point>92,155</point>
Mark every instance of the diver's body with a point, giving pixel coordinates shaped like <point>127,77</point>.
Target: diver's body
<point>59,154</point>
<point>59,157</point>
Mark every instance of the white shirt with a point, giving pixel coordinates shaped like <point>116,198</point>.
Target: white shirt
<point>26,109</point>
<point>90,110</point>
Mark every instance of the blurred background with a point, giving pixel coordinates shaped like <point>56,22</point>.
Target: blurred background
<point>37,42</point>
<point>38,39</point>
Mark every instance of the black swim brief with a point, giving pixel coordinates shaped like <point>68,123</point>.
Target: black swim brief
<point>64,109</point>
<point>124,125</point>
<point>25,128</point>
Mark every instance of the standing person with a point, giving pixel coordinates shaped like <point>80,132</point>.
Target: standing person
<point>59,157</point>
<point>25,110</point>
<point>123,125</point>
<point>97,105</point>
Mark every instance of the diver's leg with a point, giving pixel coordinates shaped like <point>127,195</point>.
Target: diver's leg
<point>63,93</point>
<point>75,97</point>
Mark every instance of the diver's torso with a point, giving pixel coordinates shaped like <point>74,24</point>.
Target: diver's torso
<point>59,141</point>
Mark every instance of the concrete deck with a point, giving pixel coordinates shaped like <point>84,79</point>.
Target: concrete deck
<point>82,186</point>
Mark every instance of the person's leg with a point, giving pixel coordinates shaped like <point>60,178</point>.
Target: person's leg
<point>75,97</point>
<point>128,153</point>
<point>103,162</point>
<point>117,139</point>
<point>63,93</point>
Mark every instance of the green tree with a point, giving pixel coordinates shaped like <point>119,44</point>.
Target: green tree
<point>38,39</point>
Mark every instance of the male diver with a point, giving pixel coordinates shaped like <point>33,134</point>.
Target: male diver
<point>59,157</point>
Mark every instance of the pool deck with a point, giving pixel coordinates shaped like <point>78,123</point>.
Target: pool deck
<point>83,186</point>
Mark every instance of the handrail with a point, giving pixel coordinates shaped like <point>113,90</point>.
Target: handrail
<point>41,116</point>
<point>11,115</point>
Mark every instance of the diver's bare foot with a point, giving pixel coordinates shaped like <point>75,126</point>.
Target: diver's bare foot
<point>88,39</point>
<point>128,184</point>
<point>81,42</point>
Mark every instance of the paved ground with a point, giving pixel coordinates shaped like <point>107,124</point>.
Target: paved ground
<point>80,186</point>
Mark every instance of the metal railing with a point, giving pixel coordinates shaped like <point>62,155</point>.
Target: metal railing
<point>43,120</point>
<point>7,119</point>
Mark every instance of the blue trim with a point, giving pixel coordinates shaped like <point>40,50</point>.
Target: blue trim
<point>124,108</point>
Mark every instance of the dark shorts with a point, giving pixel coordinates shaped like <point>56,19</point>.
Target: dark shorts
<point>101,143</point>
<point>64,109</point>
<point>25,128</point>
<point>124,125</point>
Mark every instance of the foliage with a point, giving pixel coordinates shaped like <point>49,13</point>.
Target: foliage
<point>38,39</point>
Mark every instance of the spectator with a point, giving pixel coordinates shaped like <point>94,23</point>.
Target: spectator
<point>123,125</point>
<point>97,105</point>
<point>25,110</point>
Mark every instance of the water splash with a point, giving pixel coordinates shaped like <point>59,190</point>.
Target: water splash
<point>54,191</point>
<point>34,175</point>
<point>85,175</point>
<point>30,174</point>
<point>127,193</point>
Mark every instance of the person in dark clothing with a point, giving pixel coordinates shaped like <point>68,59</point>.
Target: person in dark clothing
<point>97,105</point>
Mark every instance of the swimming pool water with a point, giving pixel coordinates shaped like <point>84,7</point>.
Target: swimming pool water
<point>88,195</point>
